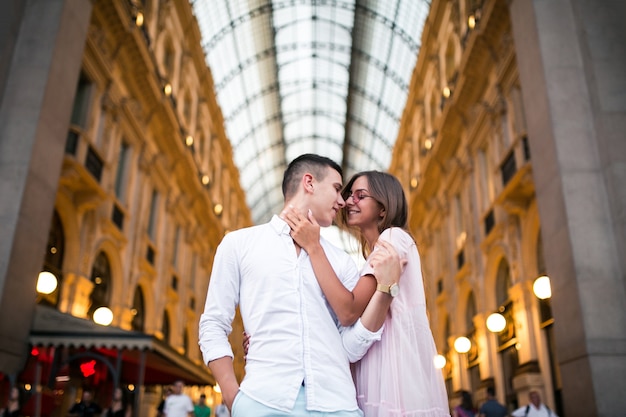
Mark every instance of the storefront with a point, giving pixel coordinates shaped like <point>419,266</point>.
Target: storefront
<point>69,354</point>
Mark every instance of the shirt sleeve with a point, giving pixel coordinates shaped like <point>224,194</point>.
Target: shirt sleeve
<point>520,412</point>
<point>357,340</point>
<point>221,302</point>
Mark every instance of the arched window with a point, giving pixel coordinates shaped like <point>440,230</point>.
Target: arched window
<point>503,283</point>
<point>101,279</point>
<point>165,329</point>
<point>186,342</point>
<point>53,261</point>
<point>138,311</point>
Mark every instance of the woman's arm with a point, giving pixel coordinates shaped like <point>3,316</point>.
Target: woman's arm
<point>347,305</point>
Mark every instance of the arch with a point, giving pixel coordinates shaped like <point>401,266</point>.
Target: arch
<point>112,251</point>
<point>100,276</point>
<point>138,310</point>
<point>166,328</point>
<point>496,254</point>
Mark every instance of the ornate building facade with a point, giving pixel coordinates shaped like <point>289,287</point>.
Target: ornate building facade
<point>510,150</point>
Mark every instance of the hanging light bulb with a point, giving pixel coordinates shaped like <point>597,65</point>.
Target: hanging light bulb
<point>542,288</point>
<point>496,323</point>
<point>439,361</point>
<point>103,316</point>
<point>462,344</point>
<point>46,282</point>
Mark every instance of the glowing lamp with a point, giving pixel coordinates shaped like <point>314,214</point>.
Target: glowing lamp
<point>462,344</point>
<point>542,288</point>
<point>103,316</point>
<point>46,282</point>
<point>496,323</point>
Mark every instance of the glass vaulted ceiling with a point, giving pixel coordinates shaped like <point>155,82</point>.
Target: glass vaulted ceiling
<point>322,76</point>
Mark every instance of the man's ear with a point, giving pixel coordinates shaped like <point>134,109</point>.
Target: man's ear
<point>307,181</point>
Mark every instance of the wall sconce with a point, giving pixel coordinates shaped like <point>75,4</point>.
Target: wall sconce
<point>428,144</point>
<point>496,323</point>
<point>439,361</point>
<point>218,209</point>
<point>446,92</point>
<point>103,316</point>
<point>46,282</point>
<point>189,140</point>
<point>471,21</point>
<point>462,344</point>
<point>167,89</point>
<point>205,180</point>
<point>139,19</point>
<point>542,288</point>
<point>414,182</point>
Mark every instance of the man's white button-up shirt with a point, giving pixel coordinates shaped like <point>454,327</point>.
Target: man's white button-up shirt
<point>294,335</point>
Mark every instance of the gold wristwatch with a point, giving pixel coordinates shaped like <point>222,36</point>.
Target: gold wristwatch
<point>392,289</point>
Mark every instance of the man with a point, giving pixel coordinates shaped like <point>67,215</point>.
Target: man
<point>201,409</point>
<point>297,361</point>
<point>491,407</point>
<point>535,408</point>
<point>178,404</point>
<point>86,407</point>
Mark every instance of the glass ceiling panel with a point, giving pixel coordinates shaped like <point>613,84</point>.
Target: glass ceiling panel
<point>296,76</point>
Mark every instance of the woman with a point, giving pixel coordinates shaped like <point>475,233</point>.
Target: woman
<point>466,407</point>
<point>118,408</point>
<point>397,376</point>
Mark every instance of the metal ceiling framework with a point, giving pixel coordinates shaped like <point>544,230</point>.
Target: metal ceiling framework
<point>296,76</point>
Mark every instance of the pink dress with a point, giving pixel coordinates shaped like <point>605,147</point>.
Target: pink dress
<point>397,376</point>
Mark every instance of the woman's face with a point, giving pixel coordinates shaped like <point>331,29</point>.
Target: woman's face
<point>363,211</point>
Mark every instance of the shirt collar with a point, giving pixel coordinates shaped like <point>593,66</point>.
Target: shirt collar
<point>279,225</point>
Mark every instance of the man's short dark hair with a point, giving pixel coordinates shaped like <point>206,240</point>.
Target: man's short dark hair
<point>308,162</point>
<point>491,391</point>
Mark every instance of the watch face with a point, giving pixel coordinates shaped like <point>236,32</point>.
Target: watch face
<point>394,290</point>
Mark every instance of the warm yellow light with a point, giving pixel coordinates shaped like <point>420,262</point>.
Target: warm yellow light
<point>131,387</point>
<point>471,21</point>
<point>103,316</point>
<point>205,180</point>
<point>428,144</point>
<point>413,182</point>
<point>218,208</point>
<point>496,323</point>
<point>27,387</point>
<point>189,140</point>
<point>446,92</point>
<point>439,361</point>
<point>139,19</point>
<point>462,344</point>
<point>217,388</point>
<point>46,282</point>
<point>542,288</point>
<point>167,89</point>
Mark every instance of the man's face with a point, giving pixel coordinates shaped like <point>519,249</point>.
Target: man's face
<point>178,388</point>
<point>535,398</point>
<point>326,200</point>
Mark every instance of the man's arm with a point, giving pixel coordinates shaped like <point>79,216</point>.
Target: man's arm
<point>224,373</point>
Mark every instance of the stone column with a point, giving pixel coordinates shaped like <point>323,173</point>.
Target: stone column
<point>41,49</point>
<point>571,59</point>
